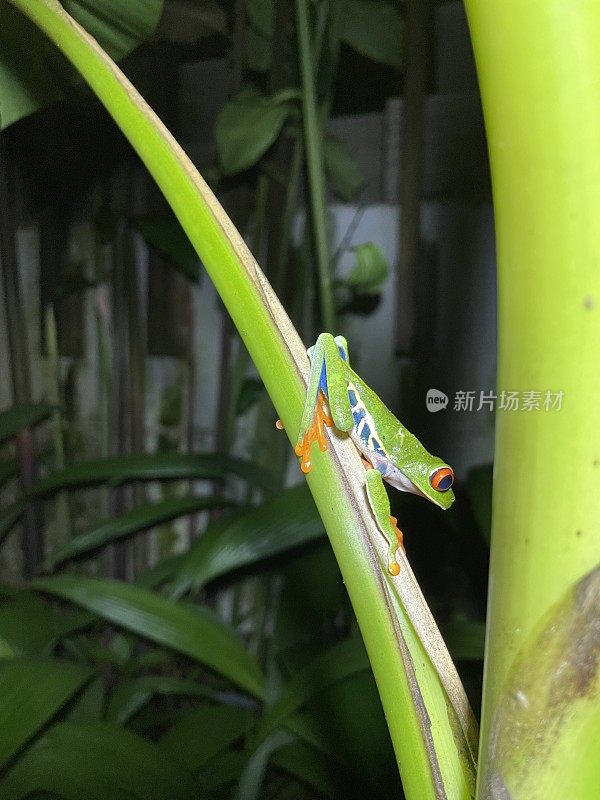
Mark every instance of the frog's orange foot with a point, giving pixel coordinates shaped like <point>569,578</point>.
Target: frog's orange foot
<point>315,433</point>
<point>399,534</point>
<point>393,566</point>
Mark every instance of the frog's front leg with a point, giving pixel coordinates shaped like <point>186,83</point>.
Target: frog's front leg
<point>326,381</point>
<point>380,506</point>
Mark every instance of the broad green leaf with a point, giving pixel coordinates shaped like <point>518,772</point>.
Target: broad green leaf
<point>166,235</point>
<point>370,271</point>
<point>18,418</point>
<point>165,570</point>
<point>153,466</point>
<point>31,692</point>
<point>97,761</point>
<point>247,126</point>
<point>31,73</point>
<point>130,696</point>
<point>139,519</point>
<point>343,169</point>
<point>90,703</point>
<point>373,28</point>
<point>206,731</point>
<point>279,524</point>
<point>192,632</point>
<point>31,626</point>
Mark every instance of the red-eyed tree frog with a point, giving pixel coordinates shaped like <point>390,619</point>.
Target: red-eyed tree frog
<point>336,395</point>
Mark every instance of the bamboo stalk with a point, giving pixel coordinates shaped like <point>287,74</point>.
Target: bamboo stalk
<point>539,72</point>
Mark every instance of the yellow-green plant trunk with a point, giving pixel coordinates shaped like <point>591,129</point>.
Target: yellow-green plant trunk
<point>539,69</point>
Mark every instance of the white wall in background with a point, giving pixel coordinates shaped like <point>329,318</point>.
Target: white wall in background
<point>463,322</point>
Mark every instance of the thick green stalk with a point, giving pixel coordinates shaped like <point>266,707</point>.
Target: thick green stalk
<point>427,713</point>
<point>313,136</point>
<point>539,72</point>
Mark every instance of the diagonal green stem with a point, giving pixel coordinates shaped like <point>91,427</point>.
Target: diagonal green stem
<point>313,137</point>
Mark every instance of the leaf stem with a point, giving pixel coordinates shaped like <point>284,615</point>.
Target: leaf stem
<point>313,138</point>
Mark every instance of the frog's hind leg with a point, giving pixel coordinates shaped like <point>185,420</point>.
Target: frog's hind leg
<point>380,506</point>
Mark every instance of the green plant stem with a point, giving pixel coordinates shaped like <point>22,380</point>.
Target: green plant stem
<point>539,72</point>
<point>313,139</point>
<point>417,58</point>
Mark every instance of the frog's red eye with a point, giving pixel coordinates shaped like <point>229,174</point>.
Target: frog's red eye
<point>442,479</point>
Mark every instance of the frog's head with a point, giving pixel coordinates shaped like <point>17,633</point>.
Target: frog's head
<point>428,476</point>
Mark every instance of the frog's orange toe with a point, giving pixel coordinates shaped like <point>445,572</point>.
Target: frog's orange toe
<point>394,568</point>
<point>399,534</point>
<point>315,433</point>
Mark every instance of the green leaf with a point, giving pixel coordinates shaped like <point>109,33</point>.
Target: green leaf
<point>97,761</point>
<point>247,126</point>
<point>259,34</point>
<point>147,516</point>
<point>32,626</point>
<point>151,467</point>
<point>17,418</point>
<point>31,692</point>
<point>130,696</point>
<point>90,703</point>
<point>261,15</point>
<point>28,83</point>
<point>195,633</point>
<point>252,778</point>
<point>165,233</point>
<point>165,570</point>
<point>370,270</point>
<point>205,732</point>
<point>279,524</point>
<point>373,28</point>
<point>343,169</point>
